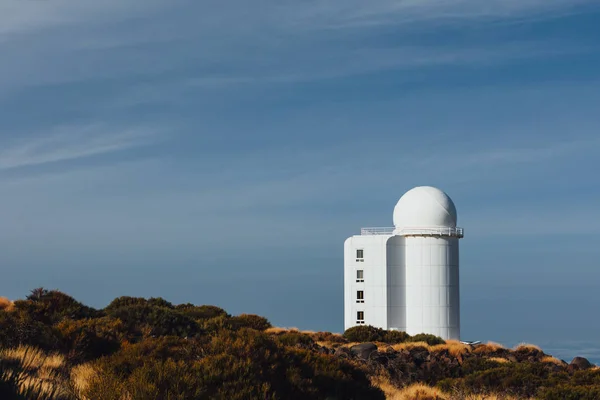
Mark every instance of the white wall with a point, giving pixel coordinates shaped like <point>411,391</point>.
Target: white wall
<point>375,280</point>
<point>432,286</point>
<point>396,283</point>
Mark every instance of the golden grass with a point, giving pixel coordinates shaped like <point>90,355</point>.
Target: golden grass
<point>527,347</point>
<point>419,391</point>
<point>80,377</point>
<point>553,360</point>
<point>492,396</point>
<point>487,348</point>
<point>454,347</point>
<point>40,370</point>
<point>499,360</point>
<point>5,304</point>
<point>33,358</point>
<point>415,391</point>
<point>277,330</point>
<point>410,346</point>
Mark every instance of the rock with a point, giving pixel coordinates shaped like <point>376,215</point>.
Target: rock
<point>342,352</point>
<point>363,350</point>
<point>581,363</point>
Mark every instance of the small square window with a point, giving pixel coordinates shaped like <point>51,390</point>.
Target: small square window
<point>360,316</point>
<point>360,254</point>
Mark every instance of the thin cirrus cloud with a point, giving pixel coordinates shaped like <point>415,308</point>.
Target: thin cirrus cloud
<point>265,42</point>
<point>72,143</point>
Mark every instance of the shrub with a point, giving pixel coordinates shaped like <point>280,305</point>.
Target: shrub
<point>86,340</point>
<point>431,340</point>
<point>394,337</point>
<point>50,307</point>
<point>201,312</point>
<point>124,301</point>
<point>364,333</point>
<point>570,392</point>
<point>161,321</point>
<point>368,333</point>
<point>292,338</point>
<point>244,364</point>
<point>521,379</point>
<point>250,321</point>
<point>18,328</point>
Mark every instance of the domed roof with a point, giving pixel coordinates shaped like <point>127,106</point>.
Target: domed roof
<point>425,207</point>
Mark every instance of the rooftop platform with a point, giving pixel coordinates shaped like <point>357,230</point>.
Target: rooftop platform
<point>441,231</point>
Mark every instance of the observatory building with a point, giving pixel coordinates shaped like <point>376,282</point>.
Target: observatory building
<point>406,278</point>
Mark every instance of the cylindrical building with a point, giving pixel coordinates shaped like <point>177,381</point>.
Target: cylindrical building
<point>425,217</point>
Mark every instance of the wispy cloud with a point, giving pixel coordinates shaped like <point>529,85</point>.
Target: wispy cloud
<point>72,143</point>
<point>237,43</point>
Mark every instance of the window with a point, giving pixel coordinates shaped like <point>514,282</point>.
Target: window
<point>360,255</point>
<point>360,276</point>
<point>360,296</point>
<point>360,317</point>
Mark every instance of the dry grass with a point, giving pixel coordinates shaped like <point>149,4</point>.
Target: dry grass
<point>80,377</point>
<point>6,304</point>
<point>410,346</point>
<point>492,396</point>
<point>454,347</point>
<point>40,370</point>
<point>419,391</point>
<point>553,360</point>
<point>416,391</point>
<point>487,348</point>
<point>499,360</point>
<point>278,331</point>
<point>527,347</point>
<point>33,358</point>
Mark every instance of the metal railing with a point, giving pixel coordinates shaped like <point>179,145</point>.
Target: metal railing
<point>437,231</point>
<point>377,231</point>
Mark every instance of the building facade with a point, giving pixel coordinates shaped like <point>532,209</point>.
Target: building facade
<point>407,277</point>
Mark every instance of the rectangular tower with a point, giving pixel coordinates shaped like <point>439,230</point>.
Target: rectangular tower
<point>365,280</point>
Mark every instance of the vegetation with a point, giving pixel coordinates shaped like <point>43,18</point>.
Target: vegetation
<point>53,347</point>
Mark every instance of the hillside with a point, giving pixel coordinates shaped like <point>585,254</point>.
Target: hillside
<point>54,347</point>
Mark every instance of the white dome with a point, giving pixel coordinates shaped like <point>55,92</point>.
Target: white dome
<point>425,207</point>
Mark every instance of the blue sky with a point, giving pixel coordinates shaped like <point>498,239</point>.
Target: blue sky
<point>220,152</point>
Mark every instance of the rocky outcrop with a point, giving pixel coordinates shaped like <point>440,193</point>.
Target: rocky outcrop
<point>580,363</point>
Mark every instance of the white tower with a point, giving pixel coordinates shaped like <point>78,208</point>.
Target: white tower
<point>407,277</point>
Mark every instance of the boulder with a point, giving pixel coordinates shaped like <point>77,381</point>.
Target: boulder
<point>580,363</point>
<point>342,352</point>
<point>363,350</point>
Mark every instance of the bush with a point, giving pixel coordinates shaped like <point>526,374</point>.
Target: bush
<point>201,312</point>
<point>85,340</point>
<point>250,321</point>
<point>569,392</point>
<point>125,301</point>
<point>245,364</point>
<point>519,379</point>
<point>18,328</point>
<point>431,340</point>
<point>368,333</point>
<point>50,307</point>
<point>160,321</point>
<point>364,333</point>
<point>394,337</point>
<point>292,339</point>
